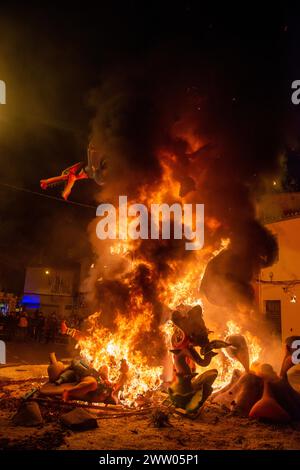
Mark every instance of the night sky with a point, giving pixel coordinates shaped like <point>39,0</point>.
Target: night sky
<point>52,57</point>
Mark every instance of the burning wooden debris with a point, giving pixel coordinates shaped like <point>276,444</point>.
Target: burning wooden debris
<point>252,390</point>
<point>257,391</point>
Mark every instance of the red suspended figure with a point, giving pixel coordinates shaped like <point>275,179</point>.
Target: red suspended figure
<point>94,169</point>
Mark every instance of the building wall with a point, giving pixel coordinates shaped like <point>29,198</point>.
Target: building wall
<point>287,268</point>
<point>278,206</point>
<point>49,289</point>
<point>49,281</point>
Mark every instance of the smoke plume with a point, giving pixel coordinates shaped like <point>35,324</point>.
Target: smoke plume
<point>216,124</point>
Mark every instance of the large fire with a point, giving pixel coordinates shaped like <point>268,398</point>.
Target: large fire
<point>225,364</point>
<point>104,347</point>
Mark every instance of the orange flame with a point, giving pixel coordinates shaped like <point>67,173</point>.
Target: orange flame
<point>105,348</point>
<point>181,286</point>
<point>225,364</point>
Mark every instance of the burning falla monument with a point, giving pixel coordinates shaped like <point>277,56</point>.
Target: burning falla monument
<point>168,138</point>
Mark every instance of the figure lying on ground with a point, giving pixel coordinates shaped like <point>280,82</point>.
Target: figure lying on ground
<point>87,383</point>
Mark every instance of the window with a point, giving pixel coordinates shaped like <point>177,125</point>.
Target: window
<point>273,315</point>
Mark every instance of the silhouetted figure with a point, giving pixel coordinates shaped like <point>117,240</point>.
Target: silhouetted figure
<point>51,328</point>
<point>23,326</point>
<point>33,320</point>
<point>39,330</point>
<point>12,322</point>
<point>31,325</point>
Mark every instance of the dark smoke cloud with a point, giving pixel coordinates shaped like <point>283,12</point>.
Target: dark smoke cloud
<point>229,275</point>
<point>43,129</point>
<point>178,70</point>
<point>230,103</point>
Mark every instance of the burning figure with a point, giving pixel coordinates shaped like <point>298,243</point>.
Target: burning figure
<point>80,381</point>
<point>93,170</point>
<point>190,390</point>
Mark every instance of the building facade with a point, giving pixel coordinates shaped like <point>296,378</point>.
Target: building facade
<point>50,289</point>
<point>279,285</point>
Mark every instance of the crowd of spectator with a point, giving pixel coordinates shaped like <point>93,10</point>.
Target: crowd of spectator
<point>33,326</point>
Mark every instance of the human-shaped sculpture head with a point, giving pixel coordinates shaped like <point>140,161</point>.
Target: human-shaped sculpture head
<point>192,324</point>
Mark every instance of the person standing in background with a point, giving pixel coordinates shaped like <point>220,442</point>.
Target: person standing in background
<point>12,322</point>
<point>23,326</point>
<point>51,328</point>
<point>39,330</point>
